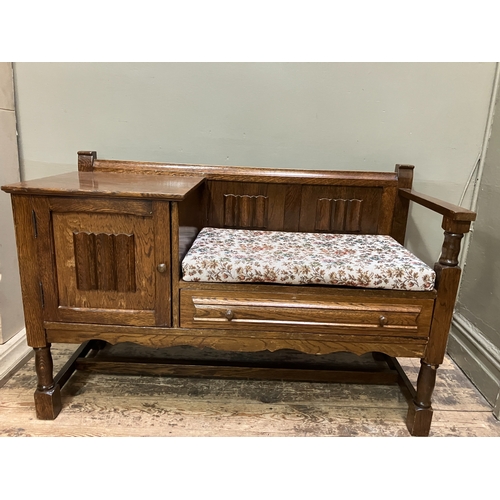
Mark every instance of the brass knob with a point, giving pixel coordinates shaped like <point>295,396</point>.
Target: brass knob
<point>161,267</point>
<point>383,320</point>
<point>229,314</point>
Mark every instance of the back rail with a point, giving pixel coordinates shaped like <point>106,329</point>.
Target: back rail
<point>244,174</point>
<point>280,199</point>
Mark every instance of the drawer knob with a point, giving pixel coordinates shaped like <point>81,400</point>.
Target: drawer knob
<point>162,267</point>
<point>229,314</point>
<point>383,321</point>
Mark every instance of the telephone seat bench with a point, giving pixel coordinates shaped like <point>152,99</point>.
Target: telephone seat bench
<point>235,259</point>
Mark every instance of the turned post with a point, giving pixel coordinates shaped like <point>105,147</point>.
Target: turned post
<point>450,249</point>
<point>420,410</point>
<point>447,281</point>
<point>47,394</point>
<point>425,385</point>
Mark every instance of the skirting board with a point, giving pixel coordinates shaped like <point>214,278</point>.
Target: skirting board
<point>478,358</point>
<point>13,354</point>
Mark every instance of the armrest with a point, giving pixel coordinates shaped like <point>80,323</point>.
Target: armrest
<point>453,212</point>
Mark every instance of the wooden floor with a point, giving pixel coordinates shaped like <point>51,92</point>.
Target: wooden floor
<point>119,405</point>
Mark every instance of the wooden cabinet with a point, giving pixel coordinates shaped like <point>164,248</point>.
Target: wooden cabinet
<point>95,248</point>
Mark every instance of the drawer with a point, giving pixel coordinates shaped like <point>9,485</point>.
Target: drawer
<point>306,313</point>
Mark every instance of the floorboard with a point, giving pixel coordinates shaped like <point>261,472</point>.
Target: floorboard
<point>119,405</point>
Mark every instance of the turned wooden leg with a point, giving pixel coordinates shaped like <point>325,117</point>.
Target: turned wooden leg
<point>47,394</point>
<point>420,410</point>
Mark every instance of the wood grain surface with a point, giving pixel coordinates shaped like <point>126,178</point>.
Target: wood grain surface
<point>107,184</point>
<point>250,174</point>
<point>120,282</point>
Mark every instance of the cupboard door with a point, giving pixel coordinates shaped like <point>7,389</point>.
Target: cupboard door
<point>110,265</point>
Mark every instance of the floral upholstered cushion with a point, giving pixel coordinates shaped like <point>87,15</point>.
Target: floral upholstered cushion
<point>368,261</point>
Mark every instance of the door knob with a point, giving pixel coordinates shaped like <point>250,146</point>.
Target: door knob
<point>161,267</point>
<point>383,321</point>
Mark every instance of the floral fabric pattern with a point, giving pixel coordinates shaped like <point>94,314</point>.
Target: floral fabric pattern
<point>367,261</point>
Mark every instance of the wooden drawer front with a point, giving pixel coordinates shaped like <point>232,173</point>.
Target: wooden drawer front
<point>255,312</point>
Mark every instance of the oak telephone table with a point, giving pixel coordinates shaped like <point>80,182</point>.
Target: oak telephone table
<point>235,259</point>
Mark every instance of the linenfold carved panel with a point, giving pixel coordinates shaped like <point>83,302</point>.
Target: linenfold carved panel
<point>104,261</point>
<point>245,211</point>
<point>338,215</point>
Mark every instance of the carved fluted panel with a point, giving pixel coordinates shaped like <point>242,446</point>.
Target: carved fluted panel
<point>338,215</point>
<point>245,211</point>
<point>105,262</point>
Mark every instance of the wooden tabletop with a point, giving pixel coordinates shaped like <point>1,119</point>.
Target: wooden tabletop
<point>119,185</point>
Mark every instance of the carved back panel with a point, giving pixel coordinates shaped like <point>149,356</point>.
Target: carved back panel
<point>296,207</point>
<point>288,200</point>
<point>245,205</point>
